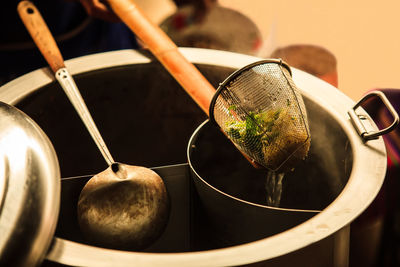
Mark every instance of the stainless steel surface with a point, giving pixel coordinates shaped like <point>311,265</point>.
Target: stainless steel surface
<point>311,239</point>
<point>71,90</point>
<point>30,189</point>
<point>357,120</point>
<point>262,112</point>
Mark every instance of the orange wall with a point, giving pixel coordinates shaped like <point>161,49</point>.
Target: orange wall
<point>364,35</point>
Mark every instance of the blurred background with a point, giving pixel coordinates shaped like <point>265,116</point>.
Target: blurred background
<point>350,44</point>
<point>360,34</point>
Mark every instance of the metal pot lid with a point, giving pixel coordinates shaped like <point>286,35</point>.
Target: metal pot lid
<point>29,189</point>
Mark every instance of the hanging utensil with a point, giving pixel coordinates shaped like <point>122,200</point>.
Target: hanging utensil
<point>259,107</point>
<point>125,206</point>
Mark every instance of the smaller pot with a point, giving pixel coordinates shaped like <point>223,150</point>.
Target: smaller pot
<point>233,195</point>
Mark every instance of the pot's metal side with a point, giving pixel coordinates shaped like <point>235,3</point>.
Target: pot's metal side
<point>364,182</point>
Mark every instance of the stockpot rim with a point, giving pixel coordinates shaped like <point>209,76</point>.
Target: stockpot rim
<point>365,181</point>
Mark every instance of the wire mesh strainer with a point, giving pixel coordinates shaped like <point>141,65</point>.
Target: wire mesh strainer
<point>262,112</point>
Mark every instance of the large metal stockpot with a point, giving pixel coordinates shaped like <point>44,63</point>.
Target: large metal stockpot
<point>160,120</point>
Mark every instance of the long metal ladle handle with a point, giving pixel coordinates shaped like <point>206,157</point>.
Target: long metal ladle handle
<point>44,40</point>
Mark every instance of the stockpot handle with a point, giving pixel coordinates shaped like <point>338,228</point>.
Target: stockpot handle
<point>357,120</point>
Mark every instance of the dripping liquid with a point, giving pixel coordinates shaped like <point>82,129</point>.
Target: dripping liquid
<point>273,187</point>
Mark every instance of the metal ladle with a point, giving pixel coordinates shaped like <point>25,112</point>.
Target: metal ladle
<point>124,207</point>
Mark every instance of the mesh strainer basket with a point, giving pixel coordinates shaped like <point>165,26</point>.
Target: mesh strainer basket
<point>262,112</point>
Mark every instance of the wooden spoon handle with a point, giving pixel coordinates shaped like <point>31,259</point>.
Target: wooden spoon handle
<point>165,50</point>
<point>41,35</point>
<point>44,40</point>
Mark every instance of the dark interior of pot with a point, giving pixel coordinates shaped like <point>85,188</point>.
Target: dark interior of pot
<point>144,116</point>
<point>147,119</point>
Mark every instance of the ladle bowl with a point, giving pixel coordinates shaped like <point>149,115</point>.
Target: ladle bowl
<point>123,207</point>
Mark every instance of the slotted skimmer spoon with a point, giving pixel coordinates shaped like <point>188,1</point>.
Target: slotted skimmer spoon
<point>258,107</point>
<point>125,207</point>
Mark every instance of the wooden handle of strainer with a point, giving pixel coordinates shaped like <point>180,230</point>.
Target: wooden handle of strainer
<point>165,50</point>
<point>41,35</point>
